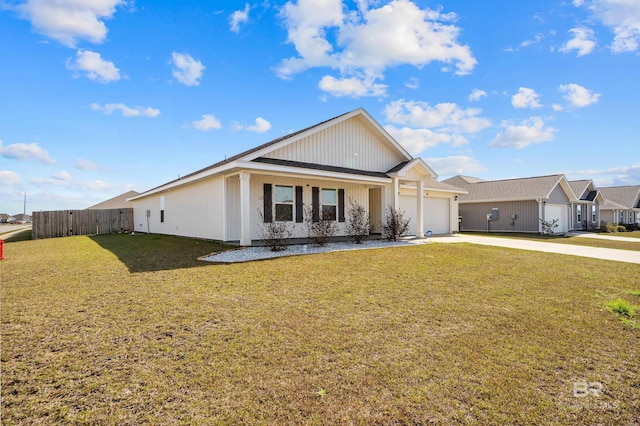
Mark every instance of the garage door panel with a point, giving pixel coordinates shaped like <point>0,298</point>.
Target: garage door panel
<point>559,212</point>
<point>436,214</point>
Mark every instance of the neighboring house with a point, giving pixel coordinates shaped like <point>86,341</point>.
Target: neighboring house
<point>621,204</point>
<point>22,217</point>
<point>117,202</point>
<point>514,205</point>
<point>5,218</point>
<point>320,168</point>
<point>585,212</point>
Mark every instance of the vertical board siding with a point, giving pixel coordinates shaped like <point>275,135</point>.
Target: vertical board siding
<point>347,144</point>
<point>375,209</point>
<point>356,191</point>
<point>63,223</point>
<point>474,216</point>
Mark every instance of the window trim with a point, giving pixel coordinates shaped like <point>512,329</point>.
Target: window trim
<point>322,204</point>
<point>291,203</point>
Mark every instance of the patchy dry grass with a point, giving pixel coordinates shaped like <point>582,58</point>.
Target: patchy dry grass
<point>128,330</point>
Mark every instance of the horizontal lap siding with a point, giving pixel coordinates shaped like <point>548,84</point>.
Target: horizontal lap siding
<point>347,144</point>
<point>474,216</point>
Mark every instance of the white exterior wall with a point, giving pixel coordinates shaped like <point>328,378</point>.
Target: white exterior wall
<point>347,144</point>
<point>191,211</point>
<point>359,192</point>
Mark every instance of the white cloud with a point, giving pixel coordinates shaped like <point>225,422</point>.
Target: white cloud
<point>582,41</point>
<point>325,34</point>
<point>447,117</point>
<point>525,98</point>
<point>476,95</point>
<point>622,16</point>
<point>62,176</point>
<point>536,39</point>
<point>353,87</point>
<point>188,70</point>
<point>68,21</point>
<point>557,107</point>
<point>261,125</point>
<point>425,126</point>
<point>96,68</point>
<point>26,152</point>
<point>527,132</point>
<point>418,140</point>
<point>9,178</point>
<point>126,111</point>
<point>577,95</point>
<point>239,17</point>
<point>85,165</point>
<point>207,122</point>
<point>455,165</point>
<point>412,83</point>
<point>625,175</point>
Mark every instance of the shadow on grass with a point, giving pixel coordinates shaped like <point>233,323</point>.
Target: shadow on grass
<point>24,235</point>
<point>147,253</point>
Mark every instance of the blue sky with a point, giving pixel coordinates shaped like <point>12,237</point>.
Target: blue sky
<point>98,97</point>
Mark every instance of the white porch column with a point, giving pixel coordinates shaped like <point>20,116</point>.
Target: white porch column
<point>420,224</point>
<point>245,209</point>
<point>396,193</point>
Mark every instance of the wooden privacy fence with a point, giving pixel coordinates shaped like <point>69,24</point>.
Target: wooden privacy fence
<point>63,223</point>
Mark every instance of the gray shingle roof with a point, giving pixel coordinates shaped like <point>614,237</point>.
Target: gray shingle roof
<point>620,197</point>
<point>532,188</point>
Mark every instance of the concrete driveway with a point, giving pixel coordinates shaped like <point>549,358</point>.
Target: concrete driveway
<point>628,256</point>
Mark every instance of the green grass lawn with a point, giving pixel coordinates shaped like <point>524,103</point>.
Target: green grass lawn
<point>132,330</point>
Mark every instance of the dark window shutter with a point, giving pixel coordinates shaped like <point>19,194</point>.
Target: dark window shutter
<point>299,210</point>
<point>268,209</point>
<point>315,204</point>
<point>340,205</point>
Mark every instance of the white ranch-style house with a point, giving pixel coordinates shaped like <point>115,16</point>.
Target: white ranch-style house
<point>323,166</point>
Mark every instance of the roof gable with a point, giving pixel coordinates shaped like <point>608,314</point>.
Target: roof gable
<point>625,197</point>
<point>415,169</point>
<point>533,188</point>
<point>353,140</point>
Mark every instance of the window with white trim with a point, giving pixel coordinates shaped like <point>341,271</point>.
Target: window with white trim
<point>593,213</point>
<point>329,204</point>
<point>579,213</point>
<point>284,203</point>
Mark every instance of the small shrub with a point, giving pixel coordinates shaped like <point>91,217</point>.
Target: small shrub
<point>621,228</point>
<point>358,223</point>
<point>395,226</point>
<point>549,227</point>
<point>319,231</point>
<point>274,233</point>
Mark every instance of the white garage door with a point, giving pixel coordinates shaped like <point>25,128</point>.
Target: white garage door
<point>436,214</point>
<point>557,211</point>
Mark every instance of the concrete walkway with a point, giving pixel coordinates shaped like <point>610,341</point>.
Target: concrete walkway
<point>628,256</point>
<point>603,237</point>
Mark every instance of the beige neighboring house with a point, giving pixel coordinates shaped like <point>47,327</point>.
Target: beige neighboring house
<point>320,168</point>
<point>621,204</point>
<point>585,211</point>
<point>117,202</point>
<point>515,205</point>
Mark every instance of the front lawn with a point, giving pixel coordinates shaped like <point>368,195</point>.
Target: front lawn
<point>132,330</point>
